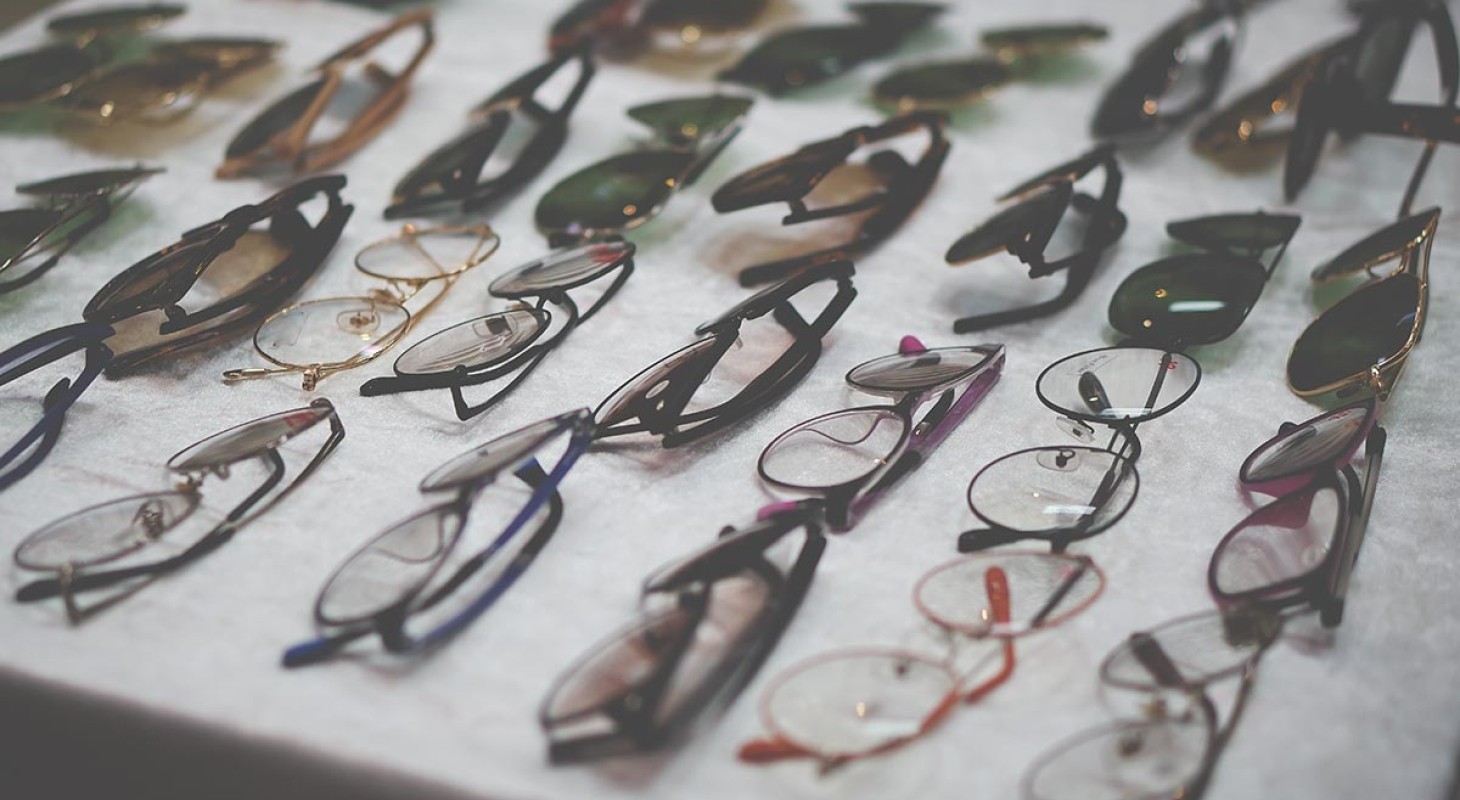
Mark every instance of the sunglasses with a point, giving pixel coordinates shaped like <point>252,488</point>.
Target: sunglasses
<point>514,137</point>
<point>795,58</point>
<point>112,546</point>
<point>677,23</point>
<point>283,136</point>
<point>1174,76</point>
<point>1026,228</point>
<point>320,338</point>
<point>1014,52</point>
<point>625,191</point>
<point>1364,340</point>
<point>509,345</point>
<point>1350,93</point>
<point>885,184</point>
<point>406,584</point>
<point>702,388</point>
<point>138,317</point>
<point>33,240</point>
<point>100,23</point>
<point>848,459</point>
<point>706,623</point>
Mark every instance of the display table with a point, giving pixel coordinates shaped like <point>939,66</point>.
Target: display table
<point>178,692</point>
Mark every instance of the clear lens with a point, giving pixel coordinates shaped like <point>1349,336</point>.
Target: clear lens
<point>1137,759</point>
<point>474,343</point>
<point>650,385</point>
<point>834,449</point>
<point>619,665</point>
<point>1278,544</point>
<point>501,453</point>
<point>105,532</point>
<point>249,439</point>
<point>562,270</point>
<point>918,372</point>
<point>1052,489</point>
<point>428,254</point>
<point>1203,648</point>
<point>333,331</point>
<point>1315,443</point>
<point>1125,384</point>
<point>391,568</point>
<point>1044,590</point>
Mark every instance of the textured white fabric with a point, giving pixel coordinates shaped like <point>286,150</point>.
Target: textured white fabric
<point>1374,715</point>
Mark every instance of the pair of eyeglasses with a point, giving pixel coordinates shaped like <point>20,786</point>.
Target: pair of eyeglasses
<point>1346,96</point>
<point>706,623</point>
<point>283,136</point>
<point>704,388</point>
<point>1171,750</point>
<point>505,347</point>
<point>858,703</point>
<point>407,585</point>
<point>848,459</point>
<point>886,184</point>
<point>112,546</point>
<point>1026,228</point>
<point>1174,76</point>
<point>33,240</point>
<point>150,311</point>
<point>627,190</point>
<point>798,57</point>
<point>1024,51</point>
<point>681,24</point>
<point>515,135</point>
<point>319,338</point>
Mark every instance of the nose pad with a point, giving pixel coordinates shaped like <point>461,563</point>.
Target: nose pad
<point>1079,430</point>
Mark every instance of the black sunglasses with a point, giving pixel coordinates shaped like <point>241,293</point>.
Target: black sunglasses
<point>892,187</point>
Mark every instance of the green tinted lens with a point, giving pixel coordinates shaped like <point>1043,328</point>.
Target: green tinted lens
<point>806,56</point>
<point>1190,299</point>
<point>1236,231</point>
<point>1131,107</point>
<point>1363,330</point>
<point>1041,39</point>
<point>691,119</point>
<point>938,87</point>
<point>613,195</point>
<point>694,17</point>
<point>1384,245</point>
<point>37,75</point>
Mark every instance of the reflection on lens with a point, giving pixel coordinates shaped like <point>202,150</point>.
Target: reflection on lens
<point>834,449</point>
<point>1247,232</point>
<point>1045,589</point>
<point>1196,298</point>
<point>19,229</point>
<point>337,330</point>
<point>1278,544</point>
<point>105,532</point>
<point>618,666</point>
<point>1314,443</point>
<point>920,371</point>
<point>563,269</point>
<point>651,384</point>
<point>496,455</point>
<point>1080,490</point>
<point>422,255</point>
<point>1203,648</point>
<point>612,195</point>
<point>474,343</point>
<point>692,119</point>
<point>940,87</point>
<point>1129,384</point>
<point>1147,759</point>
<point>42,74</point>
<point>391,568</point>
<point>249,439</point>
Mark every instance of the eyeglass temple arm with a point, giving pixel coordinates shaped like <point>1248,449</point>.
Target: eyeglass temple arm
<point>56,253</point>
<point>1358,527</point>
<point>1078,277</point>
<point>42,438</point>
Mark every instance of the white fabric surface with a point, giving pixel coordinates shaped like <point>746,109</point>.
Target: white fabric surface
<point>1375,715</point>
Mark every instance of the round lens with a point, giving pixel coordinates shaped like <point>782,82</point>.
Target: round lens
<point>613,195</point>
<point>1277,545</point>
<point>391,568</point>
<point>563,269</point>
<point>1363,330</point>
<point>1118,384</point>
<point>650,385</point>
<point>1386,244</point>
<point>1018,224</point>
<point>501,453</point>
<point>428,254</point>
<point>691,119</point>
<point>1196,298</point>
<point>1146,759</point>
<point>104,532</point>
<point>333,331</point>
<point>940,87</point>
<point>475,343</point>
<point>1203,648</point>
<point>834,449</point>
<point>1044,589</point>
<point>1076,490</point>
<point>854,703</point>
<point>921,371</point>
<point>249,439</point>
<point>1328,439</point>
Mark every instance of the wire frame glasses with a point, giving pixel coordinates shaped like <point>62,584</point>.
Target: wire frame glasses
<point>114,545</point>
<point>319,338</point>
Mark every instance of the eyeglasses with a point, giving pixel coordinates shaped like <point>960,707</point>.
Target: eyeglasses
<point>1202,297</point>
<point>1063,494</point>
<point>139,316</point>
<point>1167,83</point>
<point>683,23</point>
<point>627,190</point>
<point>706,623</point>
<point>857,703</point>
<point>280,136</point>
<point>1364,340</point>
<point>33,240</point>
<point>319,338</point>
<point>1026,228</point>
<point>887,186</point>
<point>87,26</point>
<point>948,85</point>
<point>509,345</point>
<point>800,57</point>
<point>1346,95</point>
<point>1300,549</point>
<point>849,458</point>
<point>105,546</point>
<point>701,389</point>
<point>401,577</point>
<point>1171,751</point>
<point>514,138</point>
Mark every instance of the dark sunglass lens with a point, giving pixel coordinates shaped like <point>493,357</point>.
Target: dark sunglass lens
<point>782,180</point>
<point>1037,213</point>
<point>1131,106</point>
<point>474,343</point>
<point>1236,231</point>
<point>939,87</point>
<point>86,183</point>
<point>19,229</point>
<point>1190,299</point>
<point>248,440</point>
<point>1311,127</point>
<point>1042,39</point>
<point>692,119</point>
<point>1380,55</point>
<point>562,270</point>
<point>273,121</point>
<point>449,170</point>
<point>114,20</point>
<point>613,195</point>
<point>1068,172</point>
<point>1383,245</point>
<point>694,18</point>
<point>37,75</point>
<point>132,89</point>
<point>1364,330</point>
<point>1278,544</point>
<point>1129,384</point>
<point>1317,442</point>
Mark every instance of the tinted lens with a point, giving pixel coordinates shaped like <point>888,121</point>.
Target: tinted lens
<point>104,532</point>
<point>276,119</point>
<point>222,58</point>
<point>1042,39</point>
<point>1386,244</point>
<point>452,169</point>
<point>619,665</point>
<point>1118,383</point>
<point>475,343</point>
<point>938,87</point>
<point>1054,489</point>
<point>1044,590</point>
<point>613,195</point>
<point>87,183</point>
<point>921,371</point>
<point>36,75</point>
<point>1161,758</point>
<point>428,254</point>
<point>501,453</point>
<point>1028,220</point>
<point>1321,441</point>
<point>1311,127</point>
<point>1068,172</point>
<point>805,56</point>
<point>1380,54</point>
<point>563,269</point>
<point>114,20</point>
<point>249,439</point>
<point>1189,299</point>
<point>1236,231</point>
<point>332,332</point>
<point>789,178</point>
<point>19,229</point>
<point>1203,648</point>
<point>1365,329</point>
<point>1131,106</point>
<point>692,119</point>
<point>692,18</point>
<point>1278,544</point>
<point>132,89</point>
<point>834,449</point>
<point>391,568</point>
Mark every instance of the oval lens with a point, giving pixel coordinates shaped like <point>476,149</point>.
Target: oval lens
<point>619,665</point>
<point>1327,439</point>
<point>853,703</point>
<point>695,18</point>
<point>273,120</point>
<point>940,87</point>
<point>114,20</point>
<point>834,449</point>
<point>87,183</point>
<point>785,179</point>
<point>504,452</point>
<point>687,120</point>
<point>42,74</point>
<point>1363,330</point>
<point>1039,210</point>
<point>128,90</point>
<point>920,371</point>
<point>249,439</point>
<point>1045,590</point>
<point>20,228</point>
<point>1029,40</point>
<point>104,532</point>
<point>1125,384</point>
<point>801,57</point>
<point>451,170</point>
<point>1203,648</point>
<point>1146,759</point>
<point>1071,490</point>
<point>1314,120</point>
<point>1197,298</point>
<point>613,195</point>
<point>1257,231</point>
<point>475,343</point>
<point>1386,244</point>
<point>428,254</point>
<point>1277,545</point>
<point>1068,172</point>
<point>563,269</point>
<point>650,384</point>
<point>390,569</point>
<point>333,331</point>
